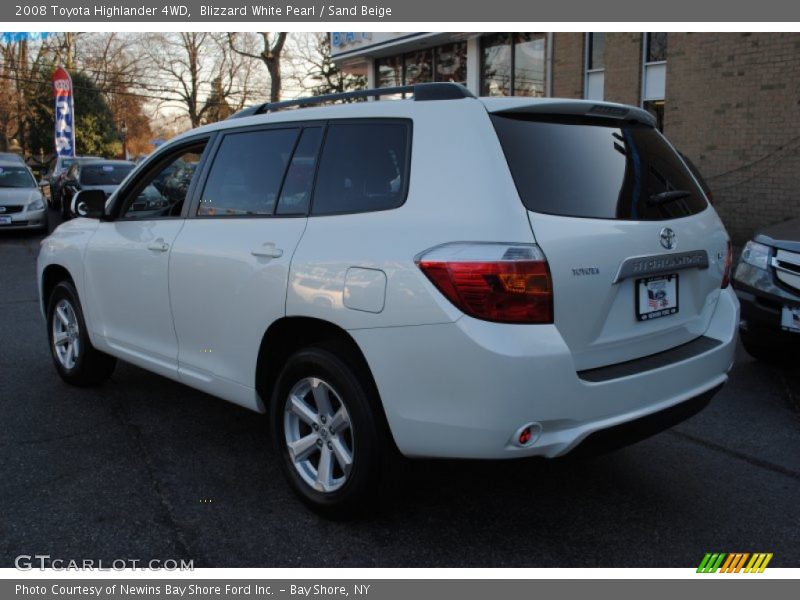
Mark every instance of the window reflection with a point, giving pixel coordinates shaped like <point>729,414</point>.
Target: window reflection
<point>451,63</point>
<point>528,64</point>
<point>390,71</point>
<point>496,65</point>
<point>419,67</point>
<point>656,47</point>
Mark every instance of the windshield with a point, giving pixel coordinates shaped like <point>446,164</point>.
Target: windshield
<point>16,177</point>
<point>596,169</point>
<point>104,174</point>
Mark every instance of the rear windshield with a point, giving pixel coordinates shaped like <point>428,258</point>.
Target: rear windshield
<point>597,169</point>
<point>104,174</point>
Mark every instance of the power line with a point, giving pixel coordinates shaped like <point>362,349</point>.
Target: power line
<point>18,79</point>
<point>177,98</point>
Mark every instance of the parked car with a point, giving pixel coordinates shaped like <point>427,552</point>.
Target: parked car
<point>445,276</point>
<point>55,176</point>
<point>13,157</point>
<point>767,282</point>
<point>103,175</point>
<point>21,203</point>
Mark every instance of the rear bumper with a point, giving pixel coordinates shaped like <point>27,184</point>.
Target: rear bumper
<point>464,389</point>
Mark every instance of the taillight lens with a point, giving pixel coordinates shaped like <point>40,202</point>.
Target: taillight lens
<point>506,283</point>
<point>726,275</point>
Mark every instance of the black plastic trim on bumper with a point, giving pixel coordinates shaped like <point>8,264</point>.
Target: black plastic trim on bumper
<point>625,434</point>
<point>648,363</point>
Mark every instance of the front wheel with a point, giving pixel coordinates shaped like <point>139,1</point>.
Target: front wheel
<point>76,360</point>
<point>327,431</point>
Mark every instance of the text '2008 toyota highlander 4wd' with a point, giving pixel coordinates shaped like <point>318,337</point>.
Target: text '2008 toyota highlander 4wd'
<point>444,276</point>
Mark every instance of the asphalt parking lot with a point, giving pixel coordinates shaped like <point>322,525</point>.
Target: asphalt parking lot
<point>146,468</point>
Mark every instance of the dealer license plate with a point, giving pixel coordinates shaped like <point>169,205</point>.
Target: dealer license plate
<point>656,297</point>
<point>790,318</point>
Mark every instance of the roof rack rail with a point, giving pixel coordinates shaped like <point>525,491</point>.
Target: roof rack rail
<point>421,92</point>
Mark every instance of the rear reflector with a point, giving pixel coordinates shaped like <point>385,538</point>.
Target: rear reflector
<point>505,283</point>
<point>726,275</point>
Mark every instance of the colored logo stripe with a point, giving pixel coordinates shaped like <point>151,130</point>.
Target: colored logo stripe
<point>734,562</point>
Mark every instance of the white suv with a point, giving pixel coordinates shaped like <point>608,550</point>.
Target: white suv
<point>447,276</point>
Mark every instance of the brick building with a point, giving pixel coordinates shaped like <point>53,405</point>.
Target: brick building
<point>729,101</point>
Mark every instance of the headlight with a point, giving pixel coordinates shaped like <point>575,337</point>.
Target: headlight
<point>37,204</point>
<point>756,254</point>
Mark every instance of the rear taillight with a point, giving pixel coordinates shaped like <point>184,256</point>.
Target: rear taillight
<point>507,283</point>
<point>726,274</point>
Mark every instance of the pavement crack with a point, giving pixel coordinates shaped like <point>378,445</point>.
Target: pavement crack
<point>756,462</point>
<point>135,434</point>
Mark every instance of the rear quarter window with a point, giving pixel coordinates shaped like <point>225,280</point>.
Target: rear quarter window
<point>364,167</point>
<point>104,174</point>
<point>597,169</point>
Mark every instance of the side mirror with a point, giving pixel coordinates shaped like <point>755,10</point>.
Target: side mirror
<point>90,204</point>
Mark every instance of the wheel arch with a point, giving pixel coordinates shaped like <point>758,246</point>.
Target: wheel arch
<point>52,275</point>
<point>290,334</point>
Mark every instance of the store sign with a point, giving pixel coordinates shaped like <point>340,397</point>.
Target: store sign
<point>11,37</point>
<point>341,40</point>
<point>64,113</point>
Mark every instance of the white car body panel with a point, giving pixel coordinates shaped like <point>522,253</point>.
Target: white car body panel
<point>212,268</point>
<point>595,315</point>
<point>126,290</point>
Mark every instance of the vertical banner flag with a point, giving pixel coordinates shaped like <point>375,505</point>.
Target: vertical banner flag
<point>65,113</point>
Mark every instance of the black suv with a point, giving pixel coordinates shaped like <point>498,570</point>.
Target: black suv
<point>767,282</point>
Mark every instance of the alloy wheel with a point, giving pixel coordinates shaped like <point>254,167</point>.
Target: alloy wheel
<point>319,434</point>
<point>66,334</point>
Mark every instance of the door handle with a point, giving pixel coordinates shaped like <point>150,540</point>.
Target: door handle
<point>267,251</point>
<point>158,246</point>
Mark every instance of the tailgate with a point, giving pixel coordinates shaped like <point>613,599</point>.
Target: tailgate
<point>636,252</point>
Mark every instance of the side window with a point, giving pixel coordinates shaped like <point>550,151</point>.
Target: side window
<point>247,172</point>
<point>162,192</point>
<point>363,168</point>
<point>297,186</point>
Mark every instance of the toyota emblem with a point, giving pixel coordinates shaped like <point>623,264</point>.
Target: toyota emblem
<point>2,209</point>
<point>667,237</point>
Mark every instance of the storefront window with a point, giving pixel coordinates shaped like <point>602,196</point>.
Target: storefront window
<point>443,63</point>
<point>528,64</point>
<point>496,65</point>
<point>419,67</point>
<point>389,71</point>
<point>451,63</point>
<point>513,64</point>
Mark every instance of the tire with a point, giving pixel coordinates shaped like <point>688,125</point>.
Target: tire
<point>766,354</point>
<point>315,431</point>
<point>83,365</point>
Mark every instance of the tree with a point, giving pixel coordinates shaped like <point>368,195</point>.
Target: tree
<point>189,63</point>
<point>119,68</point>
<point>217,107</point>
<point>313,68</point>
<point>268,49</point>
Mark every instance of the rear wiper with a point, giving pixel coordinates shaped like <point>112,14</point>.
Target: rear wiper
<point>669,196</point>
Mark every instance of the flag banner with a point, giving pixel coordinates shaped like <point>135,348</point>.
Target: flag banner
<point>64,113</point>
